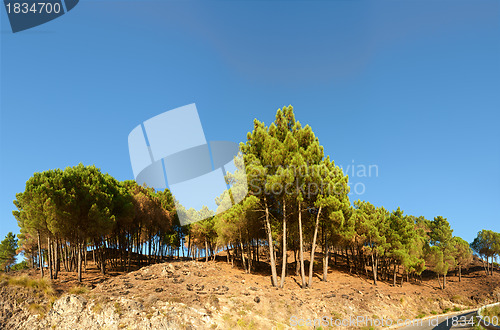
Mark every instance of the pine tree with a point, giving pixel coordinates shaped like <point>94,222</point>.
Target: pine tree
<point>371,224</point>
<point>463,254</point>
<point>443,249</point>
<point>8,252</point>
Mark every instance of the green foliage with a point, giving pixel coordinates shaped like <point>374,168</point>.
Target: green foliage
<point>487,243</point>
<point>463,252</point>
<point>443,251</point>
<point>82,206</point>
<point>20,266</point>
<point>8,252</point>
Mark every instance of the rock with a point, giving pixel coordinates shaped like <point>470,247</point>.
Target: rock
<point>158,289</point>
<point>253,288</point>
<point>69,304</point>
<point>257,300</point>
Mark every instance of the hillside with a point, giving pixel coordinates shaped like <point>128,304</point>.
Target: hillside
<point>198,294</point>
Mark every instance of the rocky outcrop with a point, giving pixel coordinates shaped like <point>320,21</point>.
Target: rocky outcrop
<point>71,312</point>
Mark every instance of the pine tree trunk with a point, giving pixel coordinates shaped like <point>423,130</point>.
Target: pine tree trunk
<point>85,256</point>
<point>49,258</point>
<point>348,260</point>
<point>326,256</point>
<point>149,248</point>
<point>56,259</point>
<point>249,257</point>
<point>274,275</point>
<point>206,250</point>
<point>215,252</point>
<point>374,268</point>
<point>297,263</point>
<point>129,257</point>
<point>394,282</point>
<point>64,254</point>
<point>460,273</point>
<point>301,249</point>
<point>313,248</point>
<point>79,264</point>
<point>40,257</point>
<point>243,255</point>
<point>284,258</point>
<point>444,281</point>
<point>103,263</point>
<point>181,247</point>
<point>258,252</point>
<point>325,264</point>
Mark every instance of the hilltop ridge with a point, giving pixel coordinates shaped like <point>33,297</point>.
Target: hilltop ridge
<point>198,294</point>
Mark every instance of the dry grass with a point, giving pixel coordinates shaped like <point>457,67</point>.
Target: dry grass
<point>492,312</point>
<point>79,289</point>
<point>41,285</point>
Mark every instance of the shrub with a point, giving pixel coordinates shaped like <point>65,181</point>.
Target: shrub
<point>78,289</point>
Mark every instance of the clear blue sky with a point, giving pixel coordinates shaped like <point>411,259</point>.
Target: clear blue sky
<point>412,87</point>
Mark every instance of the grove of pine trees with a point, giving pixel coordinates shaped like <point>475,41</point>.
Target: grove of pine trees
<point>297,205</point>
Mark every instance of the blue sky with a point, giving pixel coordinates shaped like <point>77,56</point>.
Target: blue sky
<point>409,87</point>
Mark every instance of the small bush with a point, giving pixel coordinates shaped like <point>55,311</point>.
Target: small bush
<point>118,308</point>
<point>492,311</point>
<point>97,307</point>
<point>39,309</point>
<point>78,289</point>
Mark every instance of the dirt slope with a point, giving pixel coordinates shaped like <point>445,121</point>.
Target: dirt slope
<point>184,294</point>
